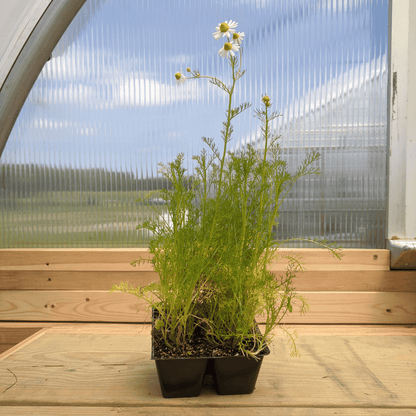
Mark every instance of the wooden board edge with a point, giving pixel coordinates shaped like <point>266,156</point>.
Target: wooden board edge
<point>48,257</point>
<point>22,344</point>
<point>143,329</point>
<point>310,280</point>
<point>103,307</point>
<point>301,329</point>
<point>212,410</point>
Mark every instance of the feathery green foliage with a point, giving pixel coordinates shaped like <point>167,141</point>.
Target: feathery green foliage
<point>214,251</point>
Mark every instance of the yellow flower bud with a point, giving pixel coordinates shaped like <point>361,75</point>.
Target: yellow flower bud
<point>266,100</point>
<point>224,27</point>
<point>188,69</point>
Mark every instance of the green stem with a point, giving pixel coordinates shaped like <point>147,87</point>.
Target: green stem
<point>224,153</point>
<point>266,138</point>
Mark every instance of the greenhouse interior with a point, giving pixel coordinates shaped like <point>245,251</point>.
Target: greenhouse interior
<point>98,101</point>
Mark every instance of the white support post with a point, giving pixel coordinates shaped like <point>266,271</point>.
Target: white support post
<point>401,210</point>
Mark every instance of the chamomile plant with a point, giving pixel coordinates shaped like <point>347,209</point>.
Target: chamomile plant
<point>214,254</point>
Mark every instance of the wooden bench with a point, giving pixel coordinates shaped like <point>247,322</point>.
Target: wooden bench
<point>44,287</point>
<point>88,351</point>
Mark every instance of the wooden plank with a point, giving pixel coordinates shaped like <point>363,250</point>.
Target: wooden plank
<point>35,324</point>
<point>15,335</point>
<point>115,370</point>
<point>95,306</point>
<point>304,330</point>
<point>120,259</point>
<point>358,308</point>
<point>98,269</point>
<point>320,280</point>
<point>144,329</point>
<point>101,306</point>
<point>168,410</point>
<point>21,344</point>
<point>70,280</point>
<point>69,257</point>
<point>5,347</point>
<point>9,337</point>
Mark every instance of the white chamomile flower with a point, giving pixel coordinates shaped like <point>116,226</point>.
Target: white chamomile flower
<point>225,29</point>
<point>238,37</point>
<point>228,48</point>
<point>180,78</point>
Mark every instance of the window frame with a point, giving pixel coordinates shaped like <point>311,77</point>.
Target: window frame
<point>401,132</point>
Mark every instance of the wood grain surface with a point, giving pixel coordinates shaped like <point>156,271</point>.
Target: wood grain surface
<point>342,374</point>
<point>12,336</point>
<point>78,259</point>
<point>102,306</point>
<point>201,411</point>
<point>96,269</point>
<point>41,287</point>
<point>322,280</point>
<point>134,329</point>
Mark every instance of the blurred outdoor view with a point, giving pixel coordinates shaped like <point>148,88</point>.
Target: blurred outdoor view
<point>105,111</point>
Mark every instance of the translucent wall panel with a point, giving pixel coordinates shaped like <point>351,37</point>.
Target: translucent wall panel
<point>105,111</point>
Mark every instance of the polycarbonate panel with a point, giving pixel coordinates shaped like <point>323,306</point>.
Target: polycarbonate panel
<point>105,111</point>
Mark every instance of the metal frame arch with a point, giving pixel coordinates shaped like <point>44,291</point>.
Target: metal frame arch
<point>39,26</point>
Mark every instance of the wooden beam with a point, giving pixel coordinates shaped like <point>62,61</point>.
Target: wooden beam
<point>144,329</point>
<point>320,280</point>
<point>99,269</point>
<point>168,410</point>
<point>120,259</point>
<point>12,336</point>
<point>101,306</point>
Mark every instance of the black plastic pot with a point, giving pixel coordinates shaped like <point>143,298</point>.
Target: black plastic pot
<point>180,377</point>
<point>236,375</point>
<point>183,377</point>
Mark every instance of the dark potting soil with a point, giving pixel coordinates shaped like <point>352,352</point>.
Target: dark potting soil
<point>198,346</point>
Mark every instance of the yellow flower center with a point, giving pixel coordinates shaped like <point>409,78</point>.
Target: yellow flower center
<point>178,76</point>
<point>228,46</point>
<point>224,27</point>
<point>236,35</point>
<point>266,98</point>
